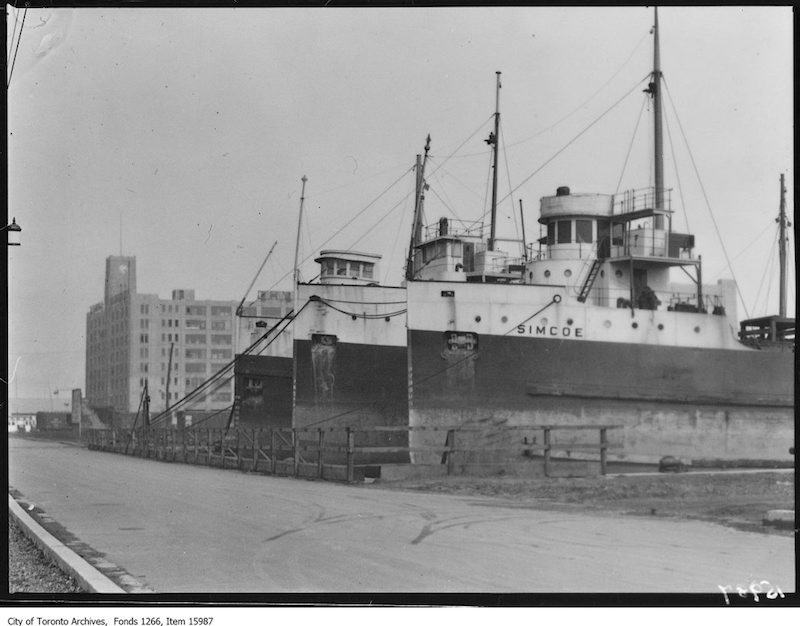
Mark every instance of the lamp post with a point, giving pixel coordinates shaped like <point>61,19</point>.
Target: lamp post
<point>14,232</point>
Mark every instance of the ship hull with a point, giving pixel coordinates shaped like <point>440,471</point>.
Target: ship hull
<point>357,386</point>
<point>702,404</point>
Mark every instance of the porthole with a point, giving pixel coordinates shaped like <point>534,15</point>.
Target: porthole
<point>544,321</point>
<point>618,273</point>
<point>567,273</point>
<point>661,327</point>
<point>477,318</point>
<point>635,325</point>
<point>547,273</point>
<point>697,329</point>
<point>569,321</point>
<point>504,319</point>
<point>607,324</point>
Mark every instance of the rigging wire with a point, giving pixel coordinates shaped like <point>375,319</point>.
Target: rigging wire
<point>768,268</point>
<point>575,138</point>
<point>508,176</point>
<point>399,231</point>
<point>16,50</point>
<point>350,221</point>
<point>630,145</point>
<point>208,417</point>
<point>747,247</point>
<point>772,263</point>
<point>580,106</point>
<point>446,204</point>
<point>223,371</point>
<point>677,170</point>
<point>705,196</point>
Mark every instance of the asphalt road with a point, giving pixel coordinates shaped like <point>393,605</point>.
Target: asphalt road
<point>183,528</point>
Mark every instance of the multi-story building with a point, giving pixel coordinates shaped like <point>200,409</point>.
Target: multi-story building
<point>173,345</point>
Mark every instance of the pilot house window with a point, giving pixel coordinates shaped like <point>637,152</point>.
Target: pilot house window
<point>583,231</point>
<point>564,231</point>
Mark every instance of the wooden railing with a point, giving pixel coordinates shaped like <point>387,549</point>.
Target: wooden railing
<point>332,452</point>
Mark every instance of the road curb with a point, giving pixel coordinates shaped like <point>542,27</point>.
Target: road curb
<point>86,576</point>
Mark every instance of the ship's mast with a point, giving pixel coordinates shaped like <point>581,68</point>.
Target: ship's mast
<point>782,250</point>
<point>419,200</point>
<point>655,90</point>
<point>493,141</point>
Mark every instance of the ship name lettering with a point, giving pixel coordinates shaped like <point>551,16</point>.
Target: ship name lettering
<point>550,331</point>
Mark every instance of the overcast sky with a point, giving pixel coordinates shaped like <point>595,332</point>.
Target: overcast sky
<point>180,136</point>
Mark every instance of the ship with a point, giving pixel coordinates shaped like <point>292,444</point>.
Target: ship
<point>585,328</point>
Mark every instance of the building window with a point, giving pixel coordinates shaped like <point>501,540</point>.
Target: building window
<point>195,309</point>
<point>195,368</point>
<point>220,310</point>
<point>551,233</point>
<point>221,324</point>
<point>221,340</point>
<point>223,396</point>
<point>195,353</point>
<point>220,354</point>
<point>196,324</point>
<point>195,339</point>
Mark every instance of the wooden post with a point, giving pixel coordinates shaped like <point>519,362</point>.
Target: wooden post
<point>603,446</point>
<point>273,462</point>
<point>350,453</point>
<point>451,442</point>
<point>320,443</point>
<point>256,437</point>
<point>222,446</point>
<point>238,448</point>
<point>295,452</point>
<point>547,451</point>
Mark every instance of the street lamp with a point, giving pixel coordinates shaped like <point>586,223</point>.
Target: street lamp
<point>14,232</point>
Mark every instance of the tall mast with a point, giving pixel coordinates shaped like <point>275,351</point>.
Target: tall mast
<point>655,90</point>
<point>297,243</point>
<point>419,200</point>
<point>493,141</point>
<point>782,250</point>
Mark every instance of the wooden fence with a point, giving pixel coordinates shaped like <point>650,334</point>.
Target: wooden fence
<point>332,453</point>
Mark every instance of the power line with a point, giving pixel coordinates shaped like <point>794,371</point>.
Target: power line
<point>16,50</point>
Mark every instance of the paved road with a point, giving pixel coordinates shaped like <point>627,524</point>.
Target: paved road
<point>181,528</point>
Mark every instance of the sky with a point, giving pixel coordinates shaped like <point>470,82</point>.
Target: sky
<point>180,136</point>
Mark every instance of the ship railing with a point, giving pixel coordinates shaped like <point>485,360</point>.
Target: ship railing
<point>667,301</point>
<point>349,454</point>
<point>643,199</point>
<point>446,227</point>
